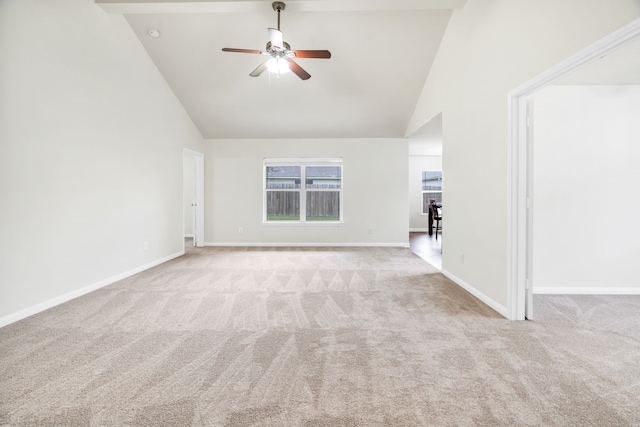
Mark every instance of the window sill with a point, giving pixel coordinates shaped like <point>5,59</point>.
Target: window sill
<point>303,224</point>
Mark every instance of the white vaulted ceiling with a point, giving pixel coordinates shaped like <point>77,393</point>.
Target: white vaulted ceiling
<point>381,55</point>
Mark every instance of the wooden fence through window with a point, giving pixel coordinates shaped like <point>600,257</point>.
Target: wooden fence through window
<point>320,204</point>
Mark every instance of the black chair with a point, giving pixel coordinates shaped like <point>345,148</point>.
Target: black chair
<point>436,214</point>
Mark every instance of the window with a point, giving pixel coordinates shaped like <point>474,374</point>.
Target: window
<point>431,188</point>
<point>302,190</point>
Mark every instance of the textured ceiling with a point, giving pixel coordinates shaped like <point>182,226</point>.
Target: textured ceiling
<point>381,56</point>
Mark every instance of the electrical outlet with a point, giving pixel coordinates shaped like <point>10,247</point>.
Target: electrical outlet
<point>370,231</point>
<point>462,258</point>
<point>240,230</point>
<point>146,246</point>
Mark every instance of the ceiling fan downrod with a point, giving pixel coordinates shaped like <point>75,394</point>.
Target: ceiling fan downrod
<point>278,6</point>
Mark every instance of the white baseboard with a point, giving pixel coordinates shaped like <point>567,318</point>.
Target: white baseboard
<point>502,310</point>
<point>306,245</point>
<point>45,305</point>
<point>573,290</point>
<point>186,236</point>
<point>419,230</point>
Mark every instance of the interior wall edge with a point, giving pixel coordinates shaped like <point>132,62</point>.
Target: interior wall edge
<point>499,308</point>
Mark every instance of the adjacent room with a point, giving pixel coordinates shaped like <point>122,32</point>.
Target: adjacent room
<point>247,213</point>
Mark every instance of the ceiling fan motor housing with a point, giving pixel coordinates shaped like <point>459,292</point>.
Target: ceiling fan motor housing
<point>276,51</point>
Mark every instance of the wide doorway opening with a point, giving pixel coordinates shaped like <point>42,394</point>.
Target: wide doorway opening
<point>612,64</point>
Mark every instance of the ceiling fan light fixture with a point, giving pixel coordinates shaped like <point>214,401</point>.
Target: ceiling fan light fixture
<point>281,56</point>
<point>278,66</point>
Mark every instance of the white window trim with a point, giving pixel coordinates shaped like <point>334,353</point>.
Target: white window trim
<point>302,190</point>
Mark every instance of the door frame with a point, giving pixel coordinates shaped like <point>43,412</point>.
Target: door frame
<point>198,196</point>
<point>520,167</point>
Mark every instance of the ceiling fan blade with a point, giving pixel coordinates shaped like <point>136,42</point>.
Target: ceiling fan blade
<point>276,37</point>
<point>231,49</point>
<point>312,54</point>
<point>298,70</point>
<point>260,69</point>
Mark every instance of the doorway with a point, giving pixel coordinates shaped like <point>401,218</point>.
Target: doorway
<point>193,198</point>
<point>520,195</point>
<point>425,182</point>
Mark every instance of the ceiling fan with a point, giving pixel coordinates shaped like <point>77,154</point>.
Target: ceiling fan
<point>280,52</point>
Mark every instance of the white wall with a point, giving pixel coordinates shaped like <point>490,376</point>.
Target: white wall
<point>491,47</point>
<point>417,220</point>
<point>586,176</point>
<point>188,180</point>
<point>374,184</point>
<point>91,141</point>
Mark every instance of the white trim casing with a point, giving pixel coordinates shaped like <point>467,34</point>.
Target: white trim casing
<point>199,193</point>
<point>45,305</point>
<point>518,160</point>
<point>303,163</point>
<point>516,209</point>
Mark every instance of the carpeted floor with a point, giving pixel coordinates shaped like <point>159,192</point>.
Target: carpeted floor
<point>317,337</point>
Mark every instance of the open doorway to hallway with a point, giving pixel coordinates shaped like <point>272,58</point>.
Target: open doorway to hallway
<point>193,197</point>
<point>188,195</point>
<point>425,163</point>
<point>610,63</point>
<point>585,157</point>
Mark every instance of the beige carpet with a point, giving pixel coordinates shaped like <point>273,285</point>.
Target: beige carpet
<point>317,337</point>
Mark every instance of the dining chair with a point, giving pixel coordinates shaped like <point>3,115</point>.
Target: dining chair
<point>436,214</point>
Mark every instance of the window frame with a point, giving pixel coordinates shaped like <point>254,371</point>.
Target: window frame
<point>303,163</point>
